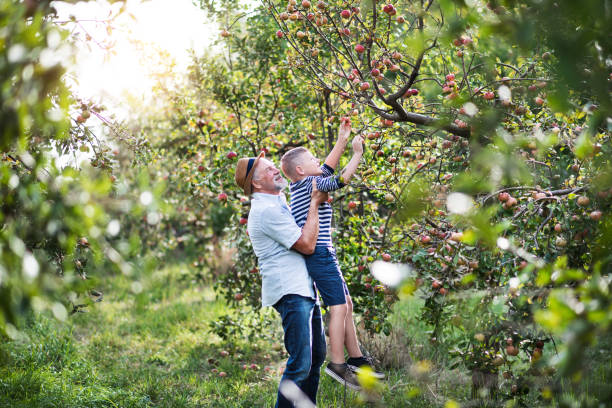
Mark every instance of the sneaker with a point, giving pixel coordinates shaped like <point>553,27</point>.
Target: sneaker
<point>343,374</point>
<point>355,363</point>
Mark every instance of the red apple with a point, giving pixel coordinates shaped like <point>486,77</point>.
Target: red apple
<point>511,202</point>
<point>503,197</point>
<point>595,215</point>
<point>389,9</point>
<point>364,86</point>
<point>386,257</point>
<point>425,239</point>
<point>306,4</point>
<point>345,13</point>
<point>352,205</point>
<point>443,291</point>
<point>238,296</point>
<point>558,227</point>
<point>222,197</point>
<point>539,101</point>
<point>359,48</point>
<point>583,201</point>
<point>375,72</point>
<point>231,155</point>
<point>243,221</point>
<point>279,34</point>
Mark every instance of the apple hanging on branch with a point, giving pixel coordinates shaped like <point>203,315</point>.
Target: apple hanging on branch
<point>369,47</point>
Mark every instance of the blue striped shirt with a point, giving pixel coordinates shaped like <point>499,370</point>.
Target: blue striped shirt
<point>300,201</point>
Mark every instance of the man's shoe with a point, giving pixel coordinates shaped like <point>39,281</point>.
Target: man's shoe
<point>343,374</point>
<point>355,363</point>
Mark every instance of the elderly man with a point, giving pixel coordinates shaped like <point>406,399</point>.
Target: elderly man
<point>278,243</point>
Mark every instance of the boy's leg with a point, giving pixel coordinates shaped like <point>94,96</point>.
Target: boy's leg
<point>350,332</point>
<point>356,358</point>
<point>336,332</point>
<point>324,269</point>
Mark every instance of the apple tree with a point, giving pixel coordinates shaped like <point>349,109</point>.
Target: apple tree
<point>61,204</point>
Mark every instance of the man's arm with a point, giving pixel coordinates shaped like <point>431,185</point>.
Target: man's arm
<point>310,231</point>
<point>351,167</point>
<point>343,134</point>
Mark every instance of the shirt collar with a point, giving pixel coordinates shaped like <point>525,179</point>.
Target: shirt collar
<point>265,197</point>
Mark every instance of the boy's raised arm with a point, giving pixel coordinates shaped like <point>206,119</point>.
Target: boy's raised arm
<point>343,135</point>
<point>351,167</point>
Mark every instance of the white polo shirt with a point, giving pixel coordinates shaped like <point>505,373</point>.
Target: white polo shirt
<point>273,231</point>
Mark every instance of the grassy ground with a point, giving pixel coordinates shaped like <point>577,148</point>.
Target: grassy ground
<point>154,349</point>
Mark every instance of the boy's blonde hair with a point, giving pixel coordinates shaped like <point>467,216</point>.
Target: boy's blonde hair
<point>291,160</point>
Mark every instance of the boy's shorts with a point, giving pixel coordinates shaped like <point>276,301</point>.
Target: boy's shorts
<point>324,269</point>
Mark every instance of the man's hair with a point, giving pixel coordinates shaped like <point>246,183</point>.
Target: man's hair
<point>290,160</point>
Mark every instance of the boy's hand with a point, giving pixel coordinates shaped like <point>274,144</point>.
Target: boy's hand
<point>319,197</point>
<point>357,144</point>
<point>345,129</point>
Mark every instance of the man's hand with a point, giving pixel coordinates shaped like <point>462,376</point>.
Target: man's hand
<point>345,129</point>
<point>319,197</point>
<point>357,144</point>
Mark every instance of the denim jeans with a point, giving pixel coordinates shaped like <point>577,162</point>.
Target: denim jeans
<point>305,343</point>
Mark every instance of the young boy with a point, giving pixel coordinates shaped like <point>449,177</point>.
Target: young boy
<point>301,168</point>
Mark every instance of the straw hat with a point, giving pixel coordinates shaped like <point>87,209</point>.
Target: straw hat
<point>245,168</point>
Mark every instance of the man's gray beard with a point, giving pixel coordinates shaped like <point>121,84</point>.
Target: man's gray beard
<point>281,185</point>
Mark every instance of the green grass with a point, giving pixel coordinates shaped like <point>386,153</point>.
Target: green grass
<point>154,349</point>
